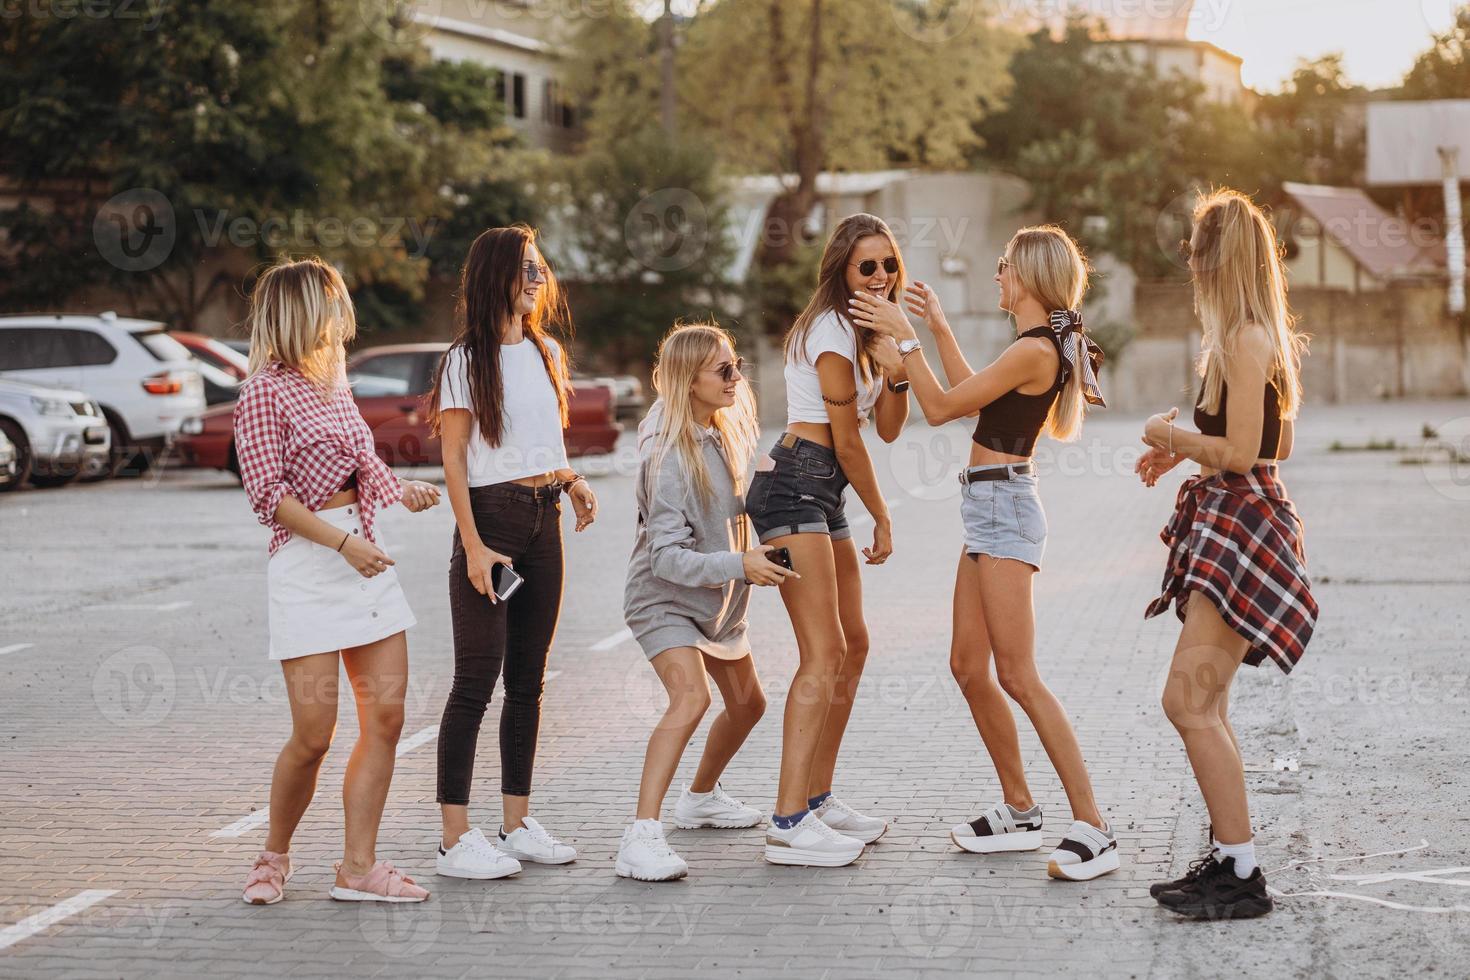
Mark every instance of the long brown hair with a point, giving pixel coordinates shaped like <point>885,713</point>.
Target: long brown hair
<point>1240,278</point>
<point>832,295</point>
<point>488,287</point>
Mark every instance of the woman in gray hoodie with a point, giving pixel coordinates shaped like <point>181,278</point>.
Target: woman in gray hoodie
<point>689,583</point>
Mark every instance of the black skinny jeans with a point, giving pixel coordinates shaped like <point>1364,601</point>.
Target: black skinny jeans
<point>513,637</point>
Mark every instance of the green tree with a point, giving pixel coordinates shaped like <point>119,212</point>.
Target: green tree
<point>1312,135</point>
<point>1443,72</point>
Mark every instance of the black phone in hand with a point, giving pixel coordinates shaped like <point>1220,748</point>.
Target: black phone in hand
<point>505,581</point>
<point>780,556</point>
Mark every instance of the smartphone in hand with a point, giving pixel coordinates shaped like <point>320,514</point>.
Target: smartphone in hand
<point>780,556</point>
<point>505,581</point>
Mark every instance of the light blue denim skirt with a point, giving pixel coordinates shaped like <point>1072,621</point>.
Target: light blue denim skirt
<point>1004,518</point>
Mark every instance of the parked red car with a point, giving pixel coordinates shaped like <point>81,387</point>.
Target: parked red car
<point>389,384</point>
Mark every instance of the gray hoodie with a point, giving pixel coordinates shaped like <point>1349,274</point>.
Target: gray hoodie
<point>686,576</point>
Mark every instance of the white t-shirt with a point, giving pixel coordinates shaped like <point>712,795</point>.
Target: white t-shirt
<point>531,434</point>
<point>828,332</point>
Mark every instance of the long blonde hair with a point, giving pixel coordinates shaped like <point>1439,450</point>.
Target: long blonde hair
<point>832,295</point>
<point>682,354</point>
<point>301,315</point>
<point>1239,278</point>
<point>1051,267</point>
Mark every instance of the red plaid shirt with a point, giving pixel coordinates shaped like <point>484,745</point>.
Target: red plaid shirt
<point>1237,538</point>
<point>291,441</point>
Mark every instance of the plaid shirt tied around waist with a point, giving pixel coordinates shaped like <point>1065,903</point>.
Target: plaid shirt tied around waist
<point>291,440</point>
<point>1237,538</point>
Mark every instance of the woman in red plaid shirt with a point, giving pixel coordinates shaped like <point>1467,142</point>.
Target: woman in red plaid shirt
<point>1237,572</point>
<point>308,465</point>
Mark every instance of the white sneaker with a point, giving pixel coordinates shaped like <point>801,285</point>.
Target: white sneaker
<point>812,843</point>
<point>647,856</point>
<point>473,856</point>
<point>713,809</point>
<point>531,842</point>
<point>844,819</point>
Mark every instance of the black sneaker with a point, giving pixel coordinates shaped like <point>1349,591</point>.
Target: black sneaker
<point>1196,868</point>
<point>1216,893</point>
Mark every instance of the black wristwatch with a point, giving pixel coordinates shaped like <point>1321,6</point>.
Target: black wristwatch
<point>897,388</point>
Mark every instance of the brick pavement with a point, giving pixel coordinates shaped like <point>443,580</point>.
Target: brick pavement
<point>134,733</point>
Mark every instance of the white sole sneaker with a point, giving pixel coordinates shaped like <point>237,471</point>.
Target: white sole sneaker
<point>450,872</point>
<point>778,854</point>
<point>869,837</point>
<point>353,895</point>
<point>1086,871</point>
<point>626,870</point>
<point>519,856</point>
<point>1025,840</point>
<point>717,823</point>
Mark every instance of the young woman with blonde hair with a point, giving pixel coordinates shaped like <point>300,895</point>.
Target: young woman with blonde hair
<point>796,502</point>
<point>688,585</point>
<point>500,406</point>
<point>1235,538</point>
<point>310,472</point>
<point>1039,385</point>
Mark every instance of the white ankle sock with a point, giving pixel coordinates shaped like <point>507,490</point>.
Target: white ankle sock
<point>1244,854</point>
<point>651,824</point>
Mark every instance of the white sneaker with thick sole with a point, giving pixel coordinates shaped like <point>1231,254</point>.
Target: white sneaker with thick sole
<point>646,856</point>
<point>713,809</point>
<point>472,856</point>
<point>847,821</point>
<point>811,842</point>
<point>531,842</point>
<point>1084,854</point>
<point>1001,828</point>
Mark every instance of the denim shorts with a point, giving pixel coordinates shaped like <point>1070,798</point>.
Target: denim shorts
<point>1004,519</point>
<point>802,495</point>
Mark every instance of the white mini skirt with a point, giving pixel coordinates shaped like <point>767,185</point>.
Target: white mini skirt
<point>320,604</point>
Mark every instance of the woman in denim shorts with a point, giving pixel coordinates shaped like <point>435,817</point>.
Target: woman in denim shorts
<point>1039,384</point>
<point>795,502</point>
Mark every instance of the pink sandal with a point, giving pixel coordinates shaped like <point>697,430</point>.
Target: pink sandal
<point>382,883</point>
<point>266,884</point>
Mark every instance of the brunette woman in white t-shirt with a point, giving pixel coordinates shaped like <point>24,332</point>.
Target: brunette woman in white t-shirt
<point>796,502</point>
<point>500,405</point>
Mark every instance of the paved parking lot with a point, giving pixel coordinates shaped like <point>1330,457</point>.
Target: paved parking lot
<point>141,718</point>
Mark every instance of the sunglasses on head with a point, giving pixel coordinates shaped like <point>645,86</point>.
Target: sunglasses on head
<point>535,272</point>
<point>869,266</point>
<point>730,369</point>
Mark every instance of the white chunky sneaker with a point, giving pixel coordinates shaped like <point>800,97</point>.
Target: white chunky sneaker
<point>1084,854</point>
<point>1001,828</point>
<point>811,842</point>
<point>472,856</point>
<point>531,842</point>
<point>646,856</point>
<point>845,820</point>
<point>713,809</point>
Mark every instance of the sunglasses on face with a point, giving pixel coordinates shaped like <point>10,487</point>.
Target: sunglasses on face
<point>869,266</point>
<point>535,272</point>
<point>1001,265</point>
<point>730,369</point>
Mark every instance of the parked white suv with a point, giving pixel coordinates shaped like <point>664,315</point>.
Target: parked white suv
<point>58,434</point>
<point>145,381</point>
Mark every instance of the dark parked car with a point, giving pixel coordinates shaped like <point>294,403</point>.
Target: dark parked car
<point>390,384</point>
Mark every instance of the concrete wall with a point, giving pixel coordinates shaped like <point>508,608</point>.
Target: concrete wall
<point>1392,343</point>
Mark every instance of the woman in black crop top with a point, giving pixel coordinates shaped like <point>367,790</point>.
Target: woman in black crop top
<point>1040,383</point>
<point>1236,572</point>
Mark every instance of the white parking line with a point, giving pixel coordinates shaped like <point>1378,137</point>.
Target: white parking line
<point>32,924</point>
<point>608,642</point>
<point>131,607</point>
<point>15,648</point>
<point>248,823</point>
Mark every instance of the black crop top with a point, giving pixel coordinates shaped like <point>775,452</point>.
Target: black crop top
<point>1011,423</point>
<point>1214,425</point>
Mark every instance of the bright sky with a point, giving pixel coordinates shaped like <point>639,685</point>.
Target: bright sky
<point>1380,38</point>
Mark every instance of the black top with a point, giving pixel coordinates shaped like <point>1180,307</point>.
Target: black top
<point>1011,423</point>
<point>1214,425</point>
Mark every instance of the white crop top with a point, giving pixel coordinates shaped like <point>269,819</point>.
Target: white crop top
<point>804,402</point>
<point>531,436</point>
